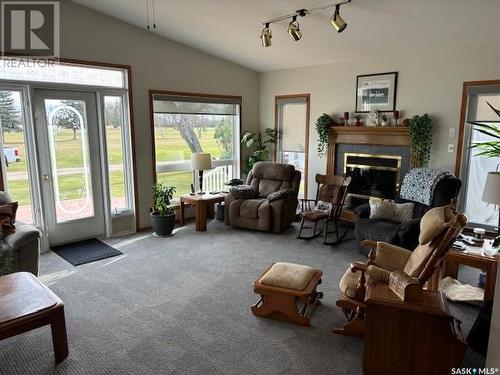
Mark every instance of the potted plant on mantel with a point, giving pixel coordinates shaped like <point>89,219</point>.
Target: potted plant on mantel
<point>162,212</point>
<point>421,140</point>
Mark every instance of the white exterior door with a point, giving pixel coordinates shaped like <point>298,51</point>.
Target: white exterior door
<point>66,128</point>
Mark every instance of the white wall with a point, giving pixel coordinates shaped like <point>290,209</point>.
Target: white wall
<point>428,82</point>
<point>157,63</point>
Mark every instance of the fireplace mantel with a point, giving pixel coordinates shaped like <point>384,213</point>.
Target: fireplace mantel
<point>364,135</point>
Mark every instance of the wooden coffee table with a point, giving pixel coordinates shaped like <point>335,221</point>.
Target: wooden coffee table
<point>26,304</point>
<point>474,257</point>
<point>203,207</point>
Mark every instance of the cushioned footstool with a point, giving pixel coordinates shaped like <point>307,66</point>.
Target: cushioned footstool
<point>288,292</point>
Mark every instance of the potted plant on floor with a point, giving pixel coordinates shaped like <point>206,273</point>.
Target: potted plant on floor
<point>259,145</point>
<point>162,212</point>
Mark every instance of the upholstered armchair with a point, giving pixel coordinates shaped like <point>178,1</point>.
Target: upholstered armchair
<point>20,250</point>
<point>272,203</point>
<point>438,229</point>
<point>402,234</point>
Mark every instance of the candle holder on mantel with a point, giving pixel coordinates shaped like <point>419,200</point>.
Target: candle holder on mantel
<point>346,118</point>
<point>396,118</point>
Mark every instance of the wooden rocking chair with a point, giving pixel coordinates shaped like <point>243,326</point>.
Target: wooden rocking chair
<point>385,258</point>
<point>330,197</point>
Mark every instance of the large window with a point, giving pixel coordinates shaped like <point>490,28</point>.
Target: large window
<point>292,113</point>
<point>185,124</point>
<point>474,169</point>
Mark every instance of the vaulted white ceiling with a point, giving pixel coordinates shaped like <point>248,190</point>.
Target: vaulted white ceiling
<point>230,29</point>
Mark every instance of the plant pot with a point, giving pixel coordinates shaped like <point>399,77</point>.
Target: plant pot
<point>163,225</point>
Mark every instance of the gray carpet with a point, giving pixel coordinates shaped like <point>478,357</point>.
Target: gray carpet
<point>181,305</point>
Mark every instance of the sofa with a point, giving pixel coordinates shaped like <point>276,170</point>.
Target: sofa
<point>20,250</point>
<point>403,234</point>
<point>267,209</point>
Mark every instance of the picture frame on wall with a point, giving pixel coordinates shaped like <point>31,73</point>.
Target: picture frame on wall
<point>376,92</point>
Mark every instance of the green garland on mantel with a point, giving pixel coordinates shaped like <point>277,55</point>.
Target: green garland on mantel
<point>323,125</point>
<point>421,140</point>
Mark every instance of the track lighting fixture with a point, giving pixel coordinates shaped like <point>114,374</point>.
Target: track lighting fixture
<point>266,36</point>
<point>294,29</point>
<point>336,21</point>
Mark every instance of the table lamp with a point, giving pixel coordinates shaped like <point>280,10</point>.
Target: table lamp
<point>491,192</point>
<point>199,162</point>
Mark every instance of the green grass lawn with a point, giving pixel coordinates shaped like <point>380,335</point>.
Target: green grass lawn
<point>169,147</point>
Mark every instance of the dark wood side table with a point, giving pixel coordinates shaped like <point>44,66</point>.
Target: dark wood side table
<point>26,304</point>
<point>203,207</point>
<point>411,338</point>
<point>472,257</point>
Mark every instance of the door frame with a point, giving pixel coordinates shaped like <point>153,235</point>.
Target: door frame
<point>28,89</point>
<point>307,98</point>
<point>130,112</point>
<point>93,141</point>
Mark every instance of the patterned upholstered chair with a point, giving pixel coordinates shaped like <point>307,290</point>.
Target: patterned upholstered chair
<point>438,229</point>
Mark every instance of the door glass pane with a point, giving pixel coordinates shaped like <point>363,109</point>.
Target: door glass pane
<point>69,159</point>
<point>113,121</point>
<point>478,211</point>
<point>15,161</point>
<point>292,122</point>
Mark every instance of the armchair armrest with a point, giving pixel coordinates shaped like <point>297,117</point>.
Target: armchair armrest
<point>358,266</point>
<point>23,235</point>
<point>363,210</point>
<point>391,257</point>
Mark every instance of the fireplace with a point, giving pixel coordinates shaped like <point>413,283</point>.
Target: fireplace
<point>373,175</point>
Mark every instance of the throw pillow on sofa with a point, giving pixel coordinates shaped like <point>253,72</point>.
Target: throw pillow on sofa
<point>243,192</point>
<point>398,212</point>
<point>7,218</point>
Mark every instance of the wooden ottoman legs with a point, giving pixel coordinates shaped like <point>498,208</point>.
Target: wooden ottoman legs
<point>286,307</point>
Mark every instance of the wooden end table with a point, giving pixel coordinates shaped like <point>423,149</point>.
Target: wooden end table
<point>474,257</point>
<point>26,304</point>
<point>203,207</point>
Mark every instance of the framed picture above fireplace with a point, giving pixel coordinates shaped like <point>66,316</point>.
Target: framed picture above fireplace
<point>376,92</point>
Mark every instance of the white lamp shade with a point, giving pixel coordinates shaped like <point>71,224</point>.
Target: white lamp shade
<point>201,161</point>
<point>491,192</point>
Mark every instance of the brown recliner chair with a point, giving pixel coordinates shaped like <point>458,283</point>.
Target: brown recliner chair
<point>268,210</point>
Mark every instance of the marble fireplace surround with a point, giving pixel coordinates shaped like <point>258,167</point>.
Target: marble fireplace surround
<point>367,140</point>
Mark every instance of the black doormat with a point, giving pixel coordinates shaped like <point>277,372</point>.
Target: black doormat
<point>86,251</point>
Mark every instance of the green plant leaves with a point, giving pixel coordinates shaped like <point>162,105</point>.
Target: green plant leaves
<point>489,149</point>
<point>421,138</point>
<point>323,125</point>
<point>162,196</point>
<point>259,144</point>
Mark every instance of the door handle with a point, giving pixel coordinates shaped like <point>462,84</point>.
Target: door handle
<point>45,177</point>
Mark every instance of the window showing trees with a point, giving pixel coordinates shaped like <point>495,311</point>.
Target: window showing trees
<point>14,151</point>
<point>118,163</point>
<point>186,125</point>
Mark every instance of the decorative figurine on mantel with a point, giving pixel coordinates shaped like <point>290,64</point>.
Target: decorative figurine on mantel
<point>384,120</point>
<point>346,118</point>
<point>358,120</point>
<point>373,118</point>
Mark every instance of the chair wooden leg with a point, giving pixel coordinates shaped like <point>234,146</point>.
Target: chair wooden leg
<point>355,326</point>
<point>325,235</point>
<point>279,307</point>
<point>299,232</point>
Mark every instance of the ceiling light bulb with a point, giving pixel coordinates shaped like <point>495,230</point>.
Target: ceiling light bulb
<point>294,30</point>
<point>266,36</point>
<point>338,22</point>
